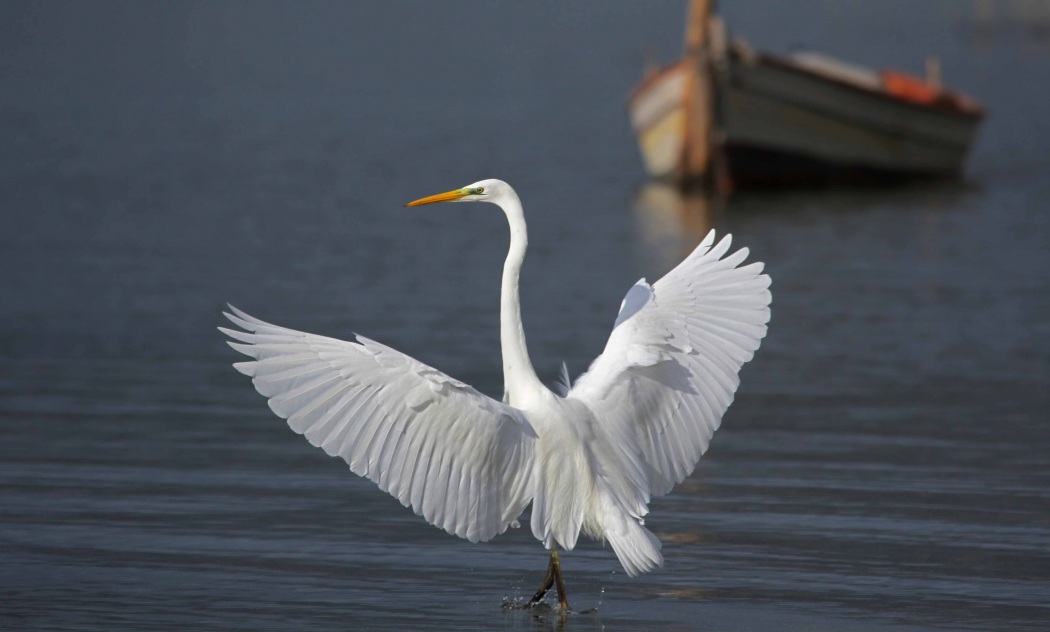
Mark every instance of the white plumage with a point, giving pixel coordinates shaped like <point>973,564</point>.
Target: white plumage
<point>632,426</point>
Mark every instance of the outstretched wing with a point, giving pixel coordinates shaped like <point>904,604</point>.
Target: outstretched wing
<point>669,369</point>
<point>458,458</point>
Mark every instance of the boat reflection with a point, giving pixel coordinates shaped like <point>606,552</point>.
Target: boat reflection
<point>670,223</point>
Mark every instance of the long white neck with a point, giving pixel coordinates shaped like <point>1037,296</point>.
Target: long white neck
<point>519,378</point>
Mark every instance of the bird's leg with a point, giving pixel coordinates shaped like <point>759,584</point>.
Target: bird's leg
<point>548,581</point>
<point>556,566</point>
<point>553,577</point>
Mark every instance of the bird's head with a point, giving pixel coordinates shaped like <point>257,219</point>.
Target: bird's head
<point>481,191</point>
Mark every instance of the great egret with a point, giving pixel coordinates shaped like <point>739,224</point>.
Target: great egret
<point>589,459</point>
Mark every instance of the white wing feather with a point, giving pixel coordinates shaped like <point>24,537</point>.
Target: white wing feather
<point>669,369</point>
<point>456,457</point>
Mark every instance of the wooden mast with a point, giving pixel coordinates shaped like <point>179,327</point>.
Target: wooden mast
<point>698,96</point>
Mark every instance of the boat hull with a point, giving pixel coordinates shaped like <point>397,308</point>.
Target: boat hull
<point>780,123</point>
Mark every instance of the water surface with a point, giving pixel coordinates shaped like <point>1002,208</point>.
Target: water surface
<point>883,467</point>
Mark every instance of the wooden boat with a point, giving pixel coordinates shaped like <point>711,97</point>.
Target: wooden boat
<point>734,117</point>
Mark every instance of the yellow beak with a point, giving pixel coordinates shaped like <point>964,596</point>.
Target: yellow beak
<point>440,197</point>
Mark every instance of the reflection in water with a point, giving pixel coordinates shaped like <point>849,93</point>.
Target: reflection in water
<point>670,223</point>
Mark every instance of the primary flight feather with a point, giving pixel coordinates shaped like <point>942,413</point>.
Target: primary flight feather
<point>630,428</point>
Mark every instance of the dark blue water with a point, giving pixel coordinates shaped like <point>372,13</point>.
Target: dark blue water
<point>883,468</point>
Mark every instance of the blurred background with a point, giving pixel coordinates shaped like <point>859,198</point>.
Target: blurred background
<point>883,467</point>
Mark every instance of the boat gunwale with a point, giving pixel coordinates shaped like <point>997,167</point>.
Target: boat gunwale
<point>975,111</point>
<point>653,77</point>
<point>879,128</point>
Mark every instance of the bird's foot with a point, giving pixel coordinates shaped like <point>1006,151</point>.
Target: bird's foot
<point>552,579</point>
<point>540,607</point>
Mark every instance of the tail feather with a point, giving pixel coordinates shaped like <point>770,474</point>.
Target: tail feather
<point>637,549</point>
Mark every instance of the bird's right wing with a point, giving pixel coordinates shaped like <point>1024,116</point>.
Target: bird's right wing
<point>458,458</point>
<point>669,369</point>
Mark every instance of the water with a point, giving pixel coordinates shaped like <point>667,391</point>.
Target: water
<point>883,467</point>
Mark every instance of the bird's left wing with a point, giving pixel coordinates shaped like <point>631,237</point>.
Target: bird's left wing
<point>669,369</point>
<point>458,458</point>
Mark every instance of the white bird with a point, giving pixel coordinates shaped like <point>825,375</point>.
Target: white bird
<point>589,459</point>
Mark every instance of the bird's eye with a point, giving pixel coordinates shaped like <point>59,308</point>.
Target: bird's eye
<point>479,190</point>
